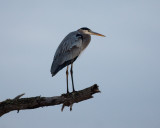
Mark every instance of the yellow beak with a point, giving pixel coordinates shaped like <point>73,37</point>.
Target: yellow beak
<point>95,33</point>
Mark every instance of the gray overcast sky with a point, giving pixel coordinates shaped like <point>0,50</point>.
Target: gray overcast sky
<point>125,64</point>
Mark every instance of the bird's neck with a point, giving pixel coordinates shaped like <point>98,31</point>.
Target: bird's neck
<point>86,40</point>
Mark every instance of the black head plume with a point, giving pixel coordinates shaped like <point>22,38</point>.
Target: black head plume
<point>85,28</point>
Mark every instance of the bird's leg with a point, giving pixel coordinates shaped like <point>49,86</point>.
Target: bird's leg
<point>72,77</point>
<point>67,79</point>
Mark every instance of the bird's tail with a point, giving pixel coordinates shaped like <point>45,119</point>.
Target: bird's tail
<point>54,68</point>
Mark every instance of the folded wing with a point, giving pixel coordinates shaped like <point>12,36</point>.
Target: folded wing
<point>67,52</point>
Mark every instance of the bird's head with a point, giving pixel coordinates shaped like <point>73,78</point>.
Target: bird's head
<point>88,31</point>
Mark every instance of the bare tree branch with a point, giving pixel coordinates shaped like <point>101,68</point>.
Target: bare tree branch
<point>19,103</point>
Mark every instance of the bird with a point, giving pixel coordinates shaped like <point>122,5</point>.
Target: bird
<point>69,50</point>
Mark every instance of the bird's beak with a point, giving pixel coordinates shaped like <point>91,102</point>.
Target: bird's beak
<point>95,33</point>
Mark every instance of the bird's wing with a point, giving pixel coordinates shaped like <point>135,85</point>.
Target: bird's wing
<point>67,52</point>
<point>69,48</point>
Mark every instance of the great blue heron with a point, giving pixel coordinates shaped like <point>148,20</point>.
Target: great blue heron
<point>69,49</point>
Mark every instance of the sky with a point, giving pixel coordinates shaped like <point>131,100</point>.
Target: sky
<point>125,64</point>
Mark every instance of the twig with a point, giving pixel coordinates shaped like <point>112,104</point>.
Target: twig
<point>17,97</point>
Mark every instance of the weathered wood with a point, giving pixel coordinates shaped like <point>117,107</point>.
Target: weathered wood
<point>19,103</point>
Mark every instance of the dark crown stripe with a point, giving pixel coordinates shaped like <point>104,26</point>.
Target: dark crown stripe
<point>85,28</point>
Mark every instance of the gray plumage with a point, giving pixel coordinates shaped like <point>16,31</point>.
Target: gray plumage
<point>69,49</point>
